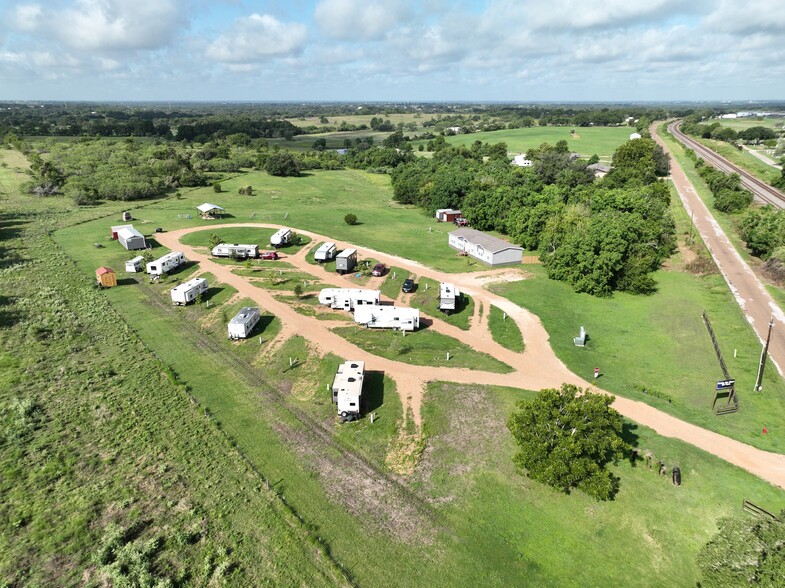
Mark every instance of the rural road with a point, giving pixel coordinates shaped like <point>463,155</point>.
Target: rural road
<point>755,302</point>
<point>536,368</point>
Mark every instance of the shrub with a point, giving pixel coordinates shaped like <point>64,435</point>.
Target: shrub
<point>350,219</point>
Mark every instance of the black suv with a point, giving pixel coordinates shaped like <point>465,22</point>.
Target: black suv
<point>408,286</point>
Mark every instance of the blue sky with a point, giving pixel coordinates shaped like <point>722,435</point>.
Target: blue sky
<point>396,50</point>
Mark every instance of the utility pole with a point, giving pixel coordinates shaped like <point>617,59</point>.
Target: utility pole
<point>762,364</point>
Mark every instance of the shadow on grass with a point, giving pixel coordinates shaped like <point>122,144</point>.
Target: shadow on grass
<point>8,316</point>
<point>373,391</point>
<point>264,321</point>
<point>127,281</point>
<point>628,433</point>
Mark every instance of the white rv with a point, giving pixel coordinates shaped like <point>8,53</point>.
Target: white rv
<point>188,291</point>
<point>348,298</point>
<point>280,238</point>
<point>388,317</point>
<point>345,261</point>
<point>448,297</point>
<point>165,264</point>
<point>325,252</point>
<point>348,388</point>
<point>242,324</point>
<point>135,265</point>
<point>236,250</point>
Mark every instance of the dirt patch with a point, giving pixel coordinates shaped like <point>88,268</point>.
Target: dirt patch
<point>404,453</point>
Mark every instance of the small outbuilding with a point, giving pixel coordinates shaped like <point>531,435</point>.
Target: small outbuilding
<point>522,161</point>
<point>128,237</point>
<point>447,215</point>
<point>106,277</point>
<point>486,248</point>
<point>210,211</point>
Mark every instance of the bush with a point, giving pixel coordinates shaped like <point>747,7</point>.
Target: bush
<point>217,187</point>
<point>732,200</point>
<point>350,219</point>
<point>282,165</point>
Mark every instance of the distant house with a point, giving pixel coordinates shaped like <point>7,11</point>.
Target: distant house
<point>521,161</point>
<point>485,248</point>
<point>600,170</point>
<point>208,210</point>
<point>635,136</point>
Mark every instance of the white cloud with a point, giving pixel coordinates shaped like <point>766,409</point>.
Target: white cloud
<point>257,38</point>
<point>360,20</point>
<point>27,17</point>
<point>751,16</point>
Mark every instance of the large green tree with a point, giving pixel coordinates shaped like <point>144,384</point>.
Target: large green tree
<point>282,164</point>
<point>567,437</point>
<point>745,552</point>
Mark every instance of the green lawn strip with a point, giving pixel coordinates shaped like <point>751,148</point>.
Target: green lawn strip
<point>281,280</point>
<point>505,331</point>
<point>261,264</point>
<point>530,534</point>
<point>656,348</point>
<point>426,298</point>
<point>743,159</point>
<point>587,141</point>
<point>422,347</point>
<point>778,294</point>
<point>391,287</point>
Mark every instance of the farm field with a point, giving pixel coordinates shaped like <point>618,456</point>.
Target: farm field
<point>462,515</point>
<point>739,124</point>
<point>587,140</point>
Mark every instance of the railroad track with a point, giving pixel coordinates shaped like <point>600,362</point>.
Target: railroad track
<point>760,189</point>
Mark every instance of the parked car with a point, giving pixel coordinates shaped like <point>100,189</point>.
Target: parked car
<point>408,286</point>
<point>269,255</point>
<point>378,269</point>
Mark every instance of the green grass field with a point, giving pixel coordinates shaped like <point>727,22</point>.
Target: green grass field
<point>743,159</point>
<point>505,331</point>
<point>587,141</point>
<point>739,124</point>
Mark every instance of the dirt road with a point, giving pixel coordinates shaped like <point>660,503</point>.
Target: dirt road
<point>756,303</point>
<point>536,368</point>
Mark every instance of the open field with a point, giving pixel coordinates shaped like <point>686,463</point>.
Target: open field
<point>505,332</point>
<point>739,124</point>
<point>587,140</point>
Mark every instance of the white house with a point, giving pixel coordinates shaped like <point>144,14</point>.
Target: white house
<point>243,322</point>
<point>189,291</point>
<point>521,161</point>
<point>348,298</point>
<point>347,389</point>
<point>485,248</point>
<point>388,317</point>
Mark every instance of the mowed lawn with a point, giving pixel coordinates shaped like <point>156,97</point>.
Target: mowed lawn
<point>586,140</point>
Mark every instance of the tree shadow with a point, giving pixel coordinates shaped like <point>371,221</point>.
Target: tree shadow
<point>9,316</point>
<point>373,391</point>
<point>629,435</point>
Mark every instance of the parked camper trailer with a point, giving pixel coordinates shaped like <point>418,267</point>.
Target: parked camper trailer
<point>448,297</point>
<point>188,291</point>
<point>388,317</point>
<point>348,298</point>
<point>325,252</point>
<point>280,238</point>
<point>345,261</point>
<point>165,264</point>
<point>236,250</point>
<point>242,324</point>
<point>135,265</point>
<point>347,389</point>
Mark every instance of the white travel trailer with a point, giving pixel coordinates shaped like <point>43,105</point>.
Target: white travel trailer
<point>448,297</point>
<point>189,291</point>
<point>135,265</point>
<point>244,322</point>
<point>165,264</point>
<point>325,252</point>
<point>237,250</point>
<point>348,298</point>
<point>388,317</point>
<point>347,389</point>
<point>280,238</point>
<point>345,261</point>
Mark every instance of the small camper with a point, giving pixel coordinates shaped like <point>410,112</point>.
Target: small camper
<point>106,277</point>
<point>347,389</point>
<point>129,237</point>
<point>325,252</point>
<point>236,250</point>
<point>448,297</point>
<point>243,323</point>
<point>280,238</point>
<point>165,264</point>
<point>388,317</point>
<point>127,216</point>
<point>135,265</point>
<point>348,298</point>
<point>345,261</point>
<point>188,291</point>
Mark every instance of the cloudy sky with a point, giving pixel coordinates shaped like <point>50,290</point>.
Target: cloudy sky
<point>398,50</point>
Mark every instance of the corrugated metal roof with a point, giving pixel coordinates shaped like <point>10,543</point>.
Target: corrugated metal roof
<point>489,243</point>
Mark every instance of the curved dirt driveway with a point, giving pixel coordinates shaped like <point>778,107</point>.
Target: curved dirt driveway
<point>536,368</point>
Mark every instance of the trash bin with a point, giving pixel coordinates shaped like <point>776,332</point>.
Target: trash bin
<point>676,476</point>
